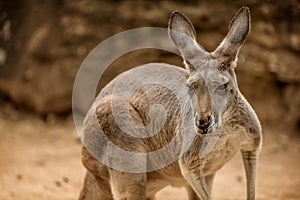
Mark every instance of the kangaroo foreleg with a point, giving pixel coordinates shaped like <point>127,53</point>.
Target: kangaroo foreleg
<point>250,161</point>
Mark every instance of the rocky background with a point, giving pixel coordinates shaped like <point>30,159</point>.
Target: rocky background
<point>42,44</point>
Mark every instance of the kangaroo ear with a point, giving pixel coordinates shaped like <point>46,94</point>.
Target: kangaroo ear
<point>181,24</point>
<point>238,31</point>
<point>183,34</point>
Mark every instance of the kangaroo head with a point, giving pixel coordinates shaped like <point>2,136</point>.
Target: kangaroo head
<point>211,81</point>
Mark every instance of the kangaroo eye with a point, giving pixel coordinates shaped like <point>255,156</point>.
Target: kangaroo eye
<point>222,87</point>
<point>194,85</point>
<point>190,66</point>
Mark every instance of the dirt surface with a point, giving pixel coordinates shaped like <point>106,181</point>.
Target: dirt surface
<point>41,160</point>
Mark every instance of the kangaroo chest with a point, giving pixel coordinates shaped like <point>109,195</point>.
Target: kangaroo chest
<point>226,147</point>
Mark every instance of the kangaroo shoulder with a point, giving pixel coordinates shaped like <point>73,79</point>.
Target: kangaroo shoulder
<point>246,117</point>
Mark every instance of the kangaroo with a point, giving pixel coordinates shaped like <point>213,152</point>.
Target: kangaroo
<point>214,106</point>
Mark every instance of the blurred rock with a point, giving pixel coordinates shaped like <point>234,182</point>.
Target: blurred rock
<point>42,44</point>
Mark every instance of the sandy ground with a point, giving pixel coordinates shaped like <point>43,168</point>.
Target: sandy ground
<point>42,161</point>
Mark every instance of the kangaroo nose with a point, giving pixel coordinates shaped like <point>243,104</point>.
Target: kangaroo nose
<point>204,123</point>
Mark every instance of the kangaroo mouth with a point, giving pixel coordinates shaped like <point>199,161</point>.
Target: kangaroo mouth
<point>204,130</point>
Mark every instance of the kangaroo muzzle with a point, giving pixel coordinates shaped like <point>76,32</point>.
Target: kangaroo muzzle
<point>203,124</point>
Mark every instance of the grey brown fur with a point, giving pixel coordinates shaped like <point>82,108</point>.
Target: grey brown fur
<point>241,130</point>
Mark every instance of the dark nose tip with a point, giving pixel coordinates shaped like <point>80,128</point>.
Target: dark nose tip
<point>204,123</point>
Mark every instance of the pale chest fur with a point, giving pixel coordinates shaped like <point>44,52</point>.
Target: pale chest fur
<point>227,145</point>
